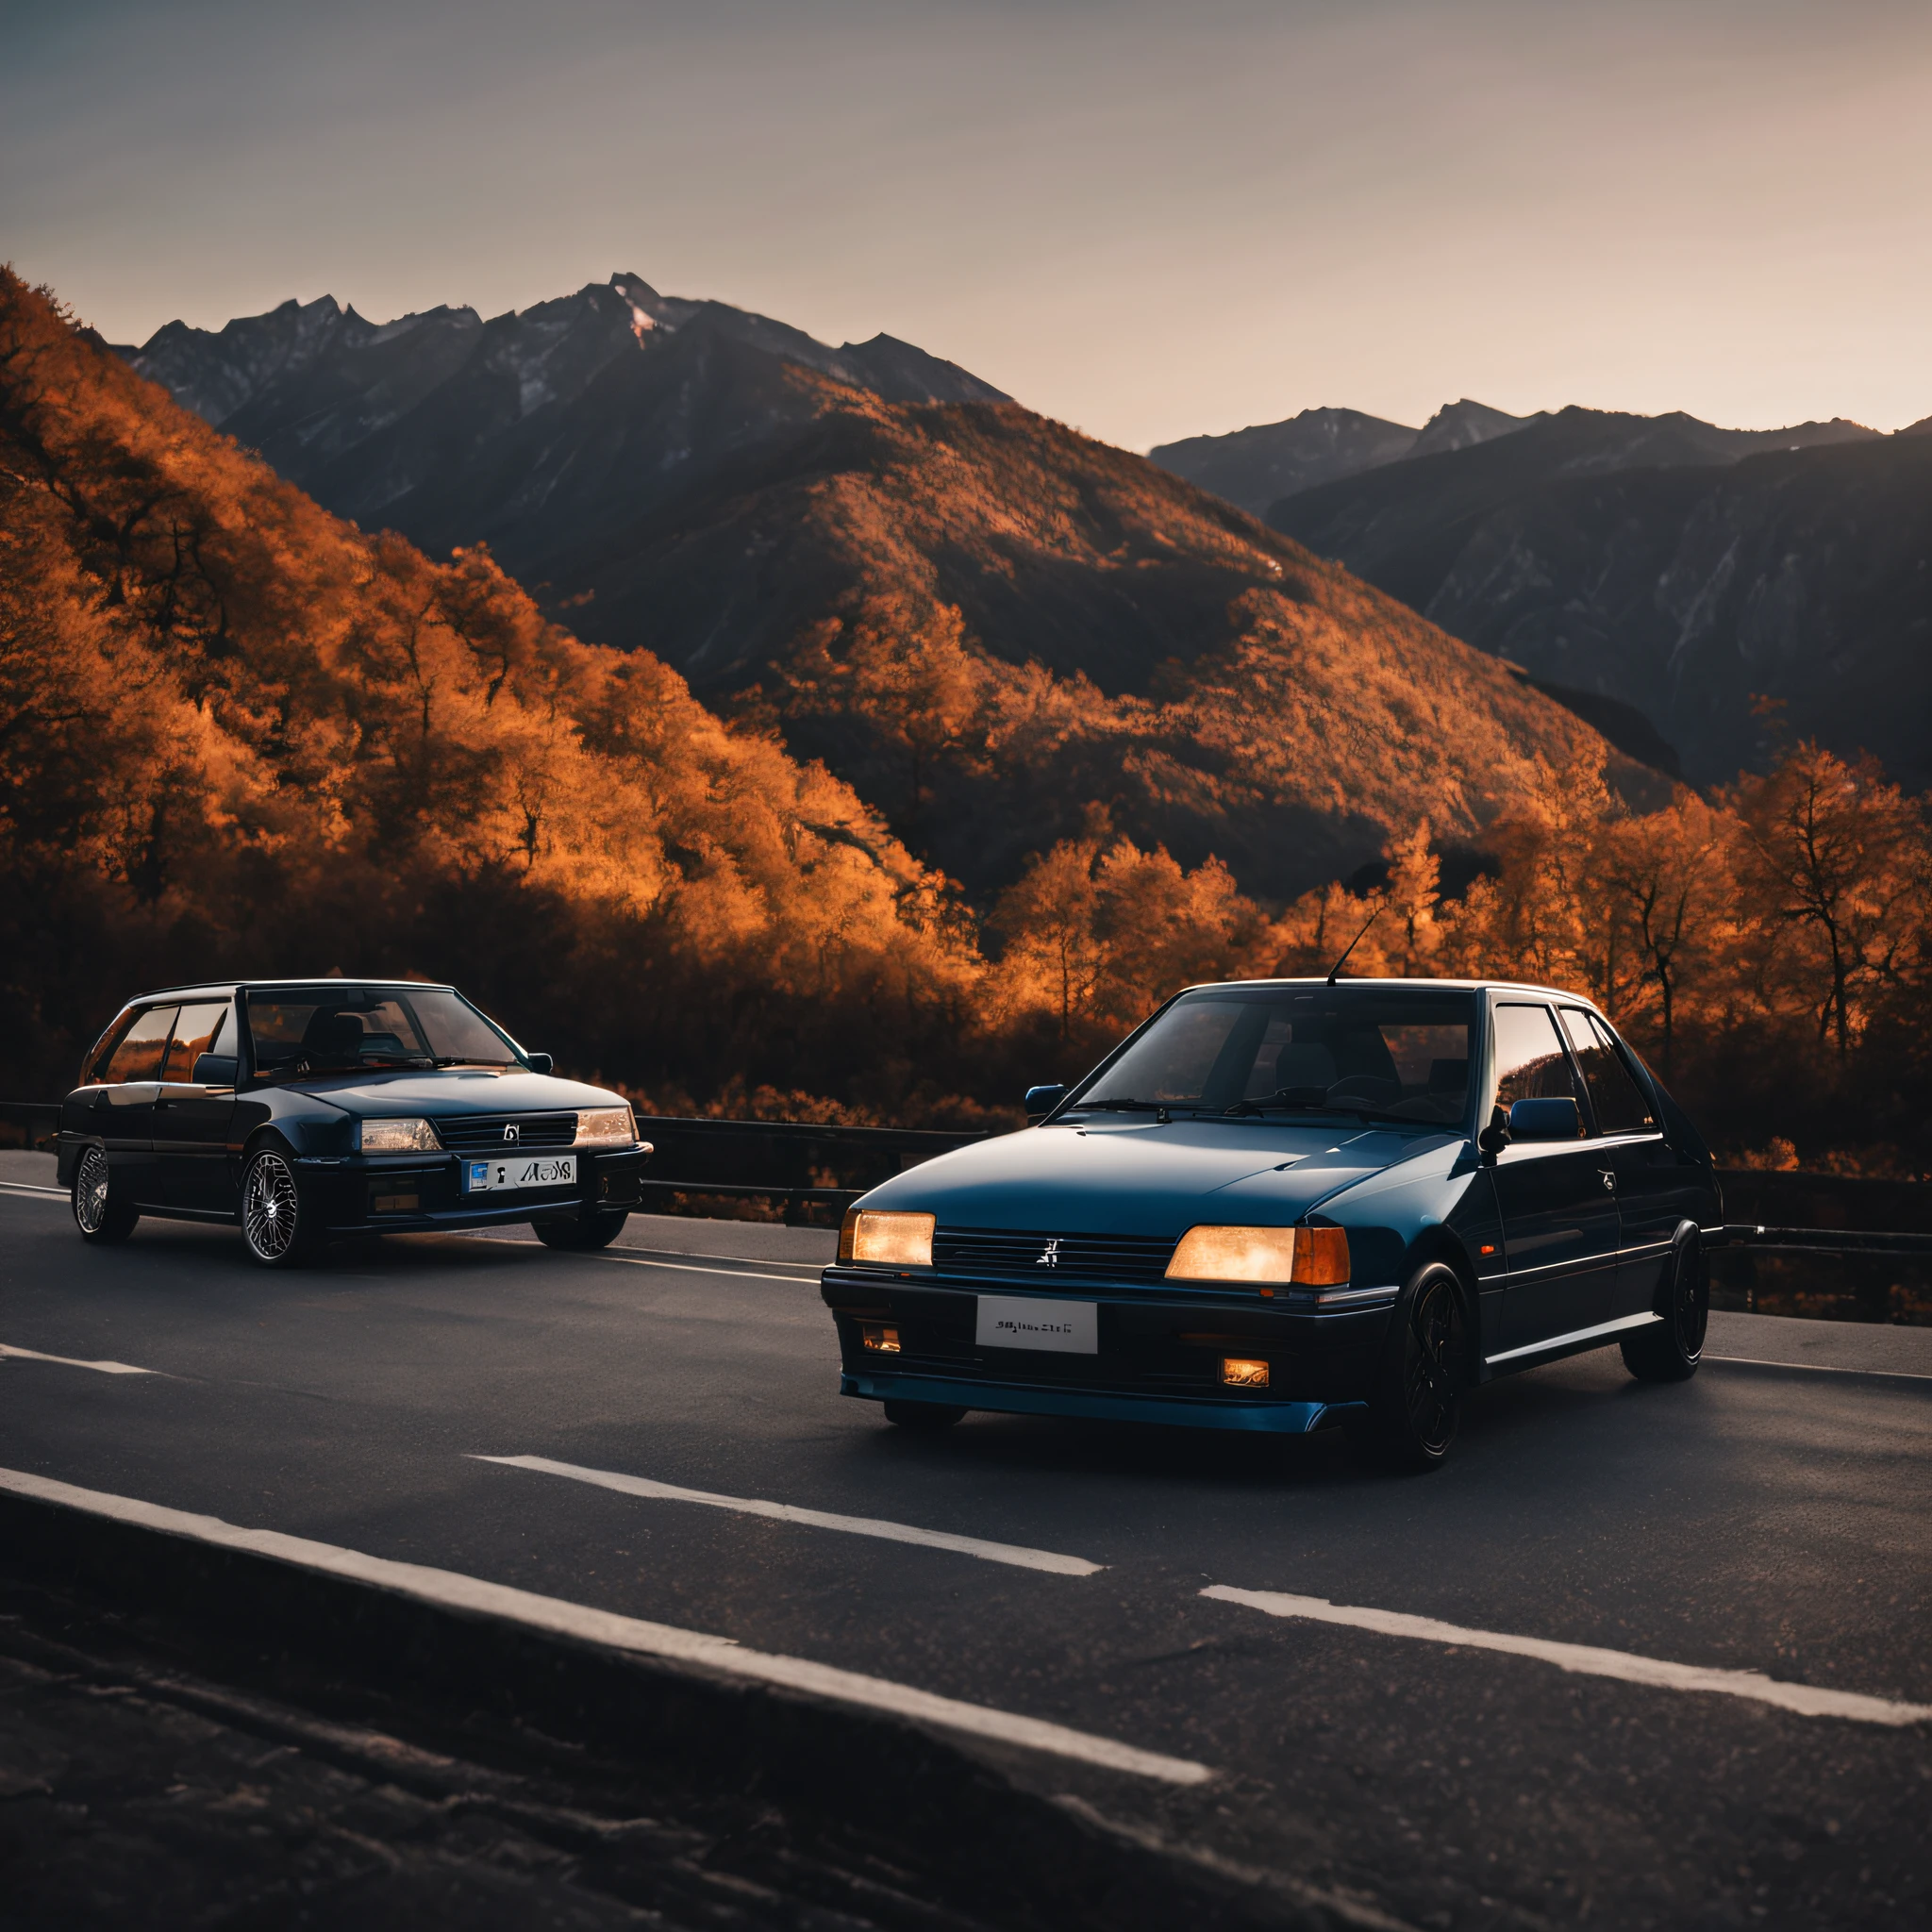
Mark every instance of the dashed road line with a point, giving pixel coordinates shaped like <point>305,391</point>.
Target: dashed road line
<point>68,1362</point>
<point>452,1590</point>
<point>1750,1361</point>
<point>28,1191</point>
<point>1018,1554</point>
<point>1807,1700</point>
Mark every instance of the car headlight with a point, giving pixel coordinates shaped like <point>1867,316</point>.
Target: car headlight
<point>405,1136</point>
<point>899,1240</point>
<point>1309,1256</point>
<point>607,1126</point>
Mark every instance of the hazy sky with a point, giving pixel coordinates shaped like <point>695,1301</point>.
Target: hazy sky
<point>1148,220</point>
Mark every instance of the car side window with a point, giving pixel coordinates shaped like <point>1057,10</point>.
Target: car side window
<point>1621,1108</point>
<point>1530,1058</point>
<point>137,1054</point>
<point>195,1033</point>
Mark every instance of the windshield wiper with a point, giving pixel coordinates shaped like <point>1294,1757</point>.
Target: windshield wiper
<point>1160,1107</point>
<point>1244,1108</point>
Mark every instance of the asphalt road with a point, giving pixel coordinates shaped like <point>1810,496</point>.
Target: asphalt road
<point>1770,1516</point>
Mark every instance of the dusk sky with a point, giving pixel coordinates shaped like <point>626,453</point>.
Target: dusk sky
<point>1149,221</point>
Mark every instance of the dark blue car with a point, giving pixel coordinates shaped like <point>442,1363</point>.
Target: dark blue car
<point>1283,1204</point>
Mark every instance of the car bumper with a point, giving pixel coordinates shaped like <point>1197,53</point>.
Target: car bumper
<point>1157,1360</point>
<point>423,1196</point>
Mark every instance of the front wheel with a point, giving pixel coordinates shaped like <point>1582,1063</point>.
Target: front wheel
<point>584,1235</point>
<point>1670,1350</point>
<point>99,1216</point>
<point>1414,1411</point>
<point>277,1221</point>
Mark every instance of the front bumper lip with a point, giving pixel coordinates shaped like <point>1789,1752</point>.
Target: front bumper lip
<point>1011,1398</point>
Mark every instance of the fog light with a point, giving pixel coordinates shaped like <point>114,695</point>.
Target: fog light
<point>1239,1374</point>
<point>886,1341</point>
<point>394,1203</point>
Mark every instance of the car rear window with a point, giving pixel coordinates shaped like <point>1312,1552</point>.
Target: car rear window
<point>137,1054</point>
<point>196,1030</point>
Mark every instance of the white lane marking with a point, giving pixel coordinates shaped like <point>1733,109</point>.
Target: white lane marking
<point>1752,1361</point>
<point>1016,1554</point>
<point>31,1191</point>
<point>452,1590</point>
<point>68,1362</point>
<point>1586,1659</point>
<point>639,1261</point>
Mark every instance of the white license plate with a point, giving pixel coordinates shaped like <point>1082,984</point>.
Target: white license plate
<point>1013,1322</point>
<point>520,1170</point>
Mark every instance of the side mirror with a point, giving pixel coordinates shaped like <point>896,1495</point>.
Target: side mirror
<point>1040,1101</point>
<point>540,1062</point>
<point>1545,1120</point>
<point>214,1070</point>
<point>1496,1137</point>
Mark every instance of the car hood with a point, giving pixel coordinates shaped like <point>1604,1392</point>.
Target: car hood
<point>1143,1177</point>
<point>450,1091</point>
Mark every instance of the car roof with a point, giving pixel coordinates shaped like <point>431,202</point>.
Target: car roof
<point>1547,992</point>
<point>227,989</point>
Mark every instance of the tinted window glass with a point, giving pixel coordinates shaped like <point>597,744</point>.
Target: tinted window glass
<point>1402,1055</point>
<point>195,1032</point>
<point>323,1028</point>
<point>1621,1108</point>
<point>138,1056</point>
<point>1530,1062</point>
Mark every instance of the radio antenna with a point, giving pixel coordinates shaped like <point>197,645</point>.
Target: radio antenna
<point>1356,941</point>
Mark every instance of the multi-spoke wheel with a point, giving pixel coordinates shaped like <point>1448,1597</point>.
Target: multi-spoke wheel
<point>1414,1413</point>
<point>97,1214</point>
<point>1670,1350</point>
<point>276,1221</point>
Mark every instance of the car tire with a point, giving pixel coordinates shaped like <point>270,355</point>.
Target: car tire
<point>100,1217</point>
<point>1417,1404</point>
<point>1671,1351</point>
<point>584,1235</point>
<point>278,1215</point>
<point>924,1416</point>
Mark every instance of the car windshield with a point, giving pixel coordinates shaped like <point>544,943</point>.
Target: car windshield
<point>1383,1053</point>
<point>312,1029</point>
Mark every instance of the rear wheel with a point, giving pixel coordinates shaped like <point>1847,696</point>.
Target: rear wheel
<point>923,1415</point>
<point>99,1216</point>
<point>278,1222</point>
<point>1670,1350</point>
<point>584,1235</point>
<point>1415,1410</point>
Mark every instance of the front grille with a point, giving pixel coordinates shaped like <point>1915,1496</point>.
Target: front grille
<point>478,1133</point>
<point>1024,1256</point>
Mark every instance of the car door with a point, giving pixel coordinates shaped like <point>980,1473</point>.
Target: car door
<point>1558,1210</point>
<point>122,1114</point>
<point>1655,1190</point>
<point>193,1108</point>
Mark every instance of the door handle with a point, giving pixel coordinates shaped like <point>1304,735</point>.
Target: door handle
<point>1609,1180</point>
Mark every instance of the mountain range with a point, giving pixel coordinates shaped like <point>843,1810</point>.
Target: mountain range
<point>1001,632</point>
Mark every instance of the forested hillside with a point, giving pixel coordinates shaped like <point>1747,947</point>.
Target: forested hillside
<point>987,624</point>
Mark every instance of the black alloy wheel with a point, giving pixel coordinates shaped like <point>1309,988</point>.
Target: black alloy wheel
<point>98,1215</point>
<point>276,1222</point>
<point>1670,1350</point>
<point>584,1235</point>
<point>1414,1413</point>
<point>924,1416</point>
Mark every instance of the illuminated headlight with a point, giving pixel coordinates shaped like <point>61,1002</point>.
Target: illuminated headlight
<point>1309,1256</point>
<point>898,1241</point>
<point>397,1137</point>
<point>607,1126</point>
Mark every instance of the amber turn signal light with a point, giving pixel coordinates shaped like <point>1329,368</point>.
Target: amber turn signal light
<point>882,1340</point>
<point>1320,1257</point>
<point>1243,1375</point>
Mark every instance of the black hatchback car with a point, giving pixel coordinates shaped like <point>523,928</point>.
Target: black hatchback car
<point>305,1110</point>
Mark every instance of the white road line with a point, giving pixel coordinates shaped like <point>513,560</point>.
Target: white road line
<point>68,1362</point>
<point>452,1590</point>
<point>1016,1554</point>
<point>1752,1361</point>
<point>1586,1659</point>
<point>31,1191</point>
<point>639,1261</point>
